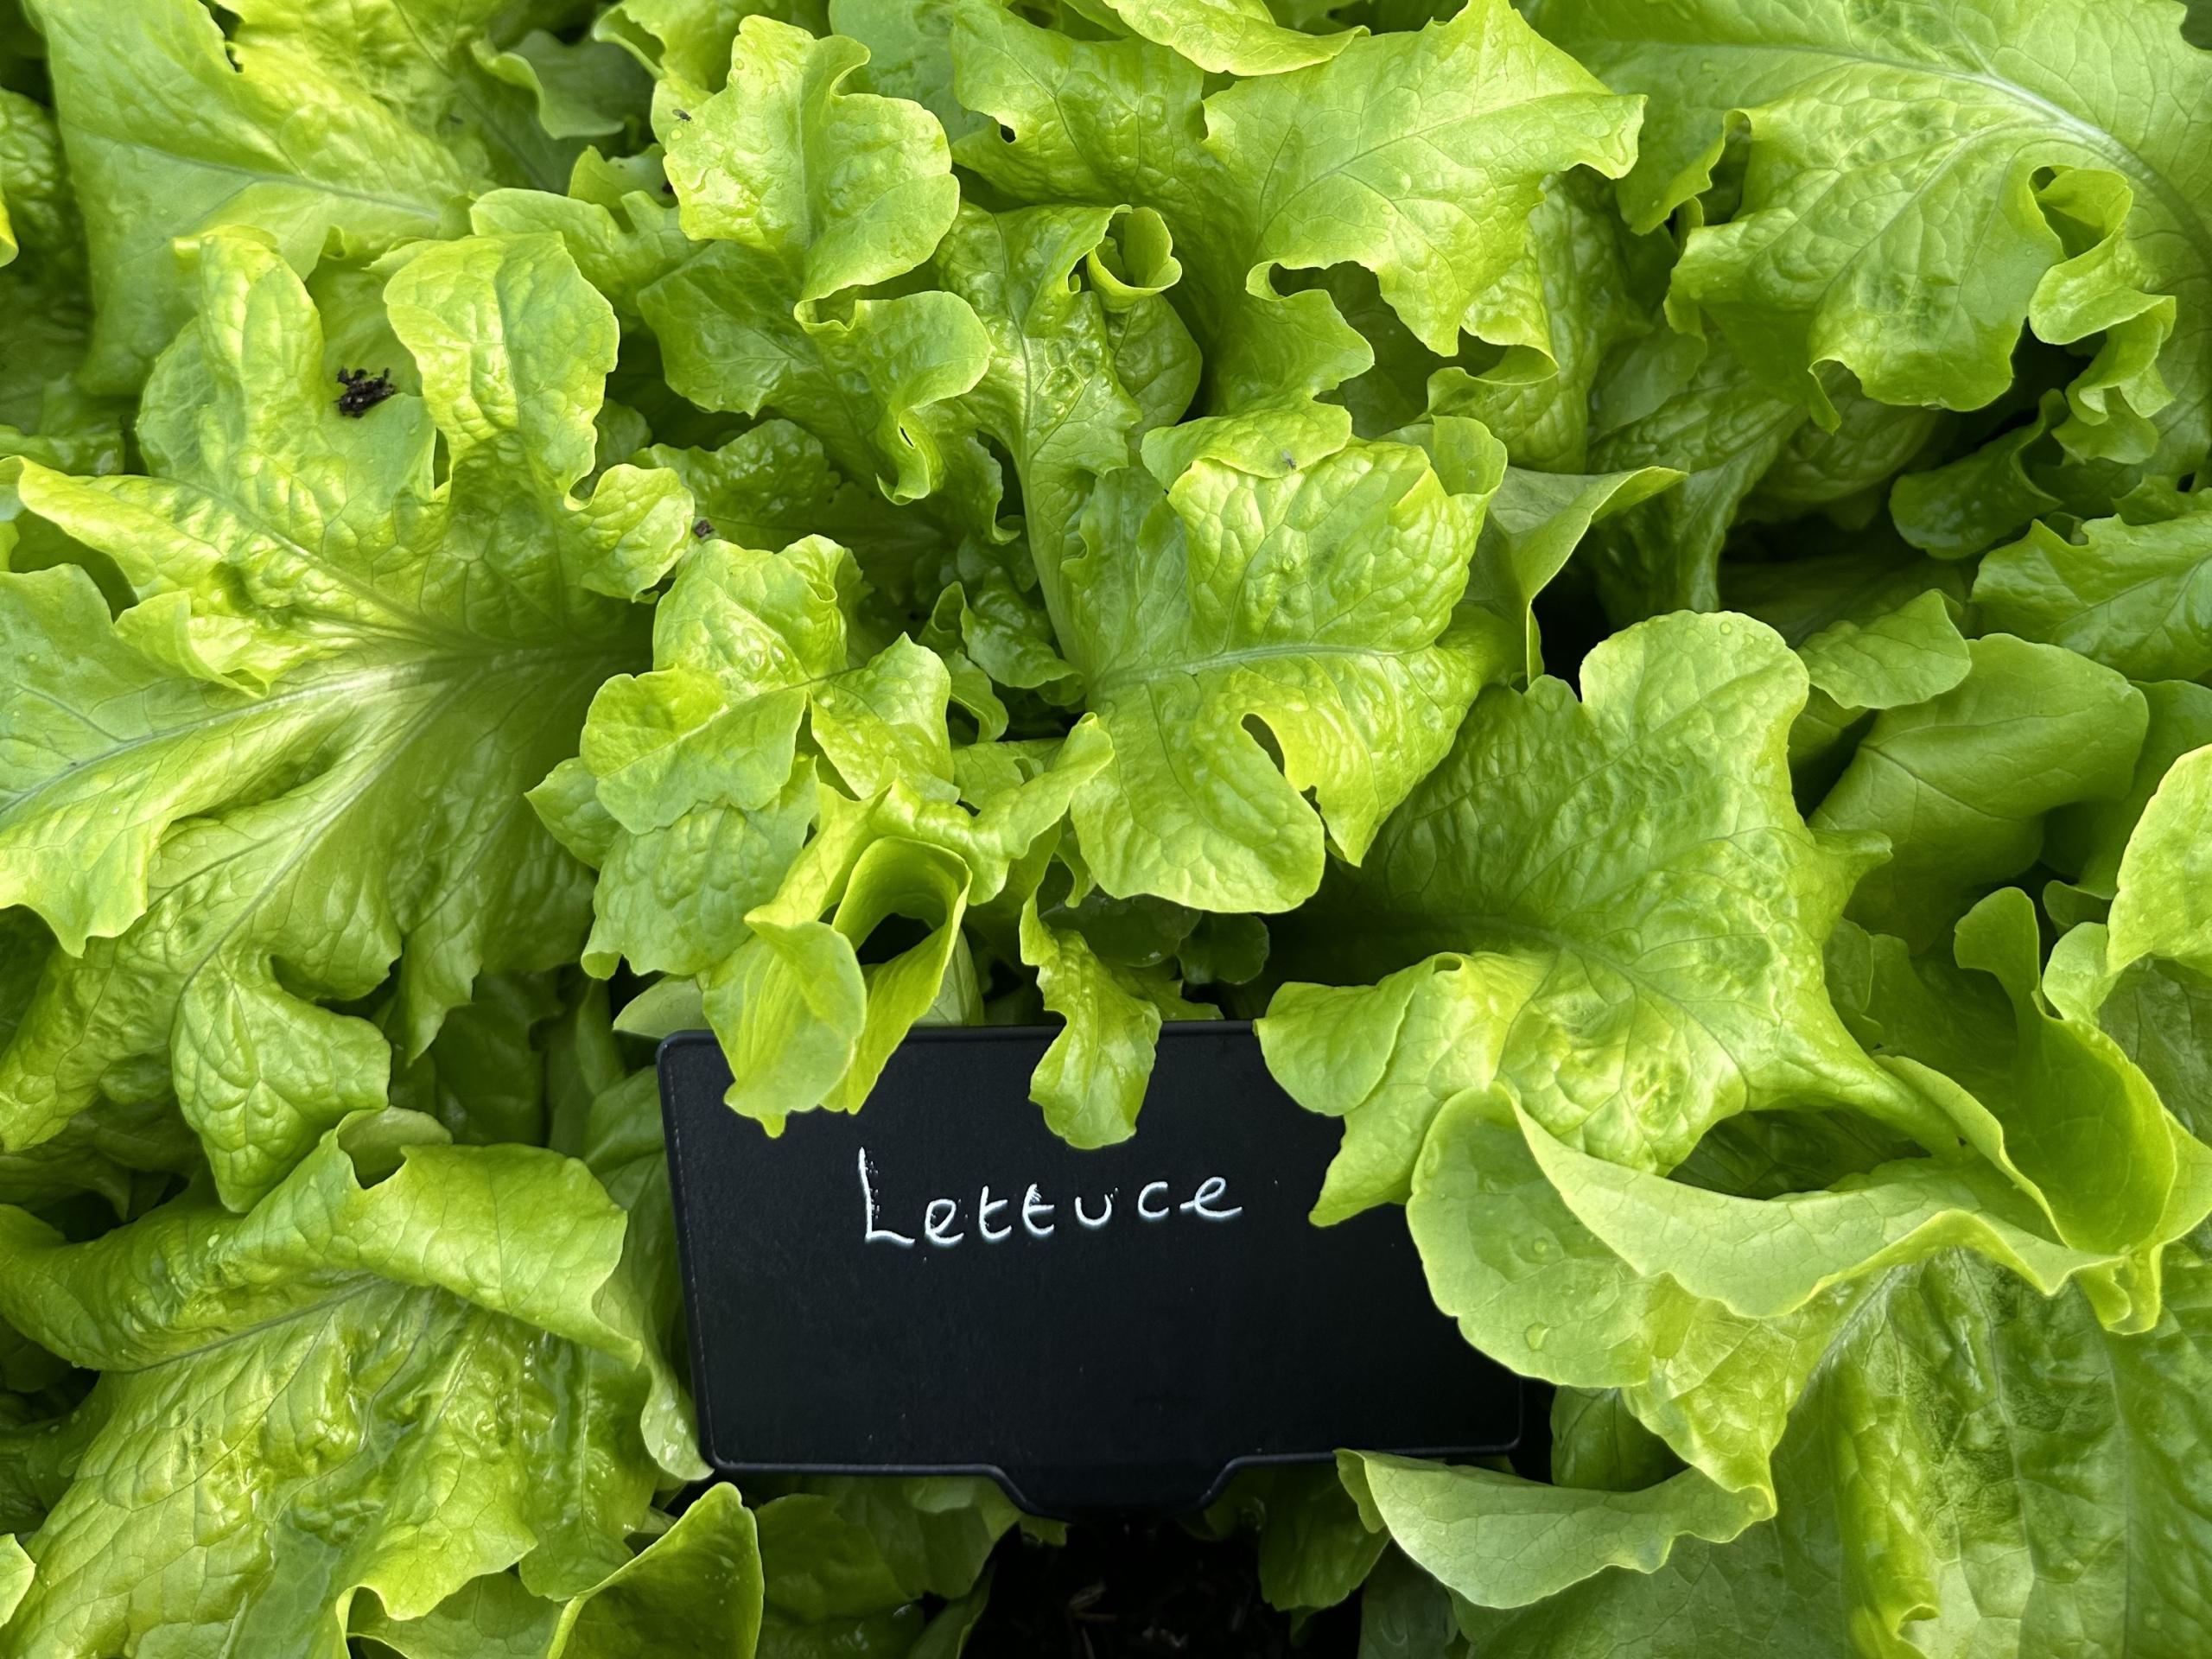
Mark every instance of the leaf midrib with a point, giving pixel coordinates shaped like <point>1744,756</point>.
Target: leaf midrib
<point>1194,668</point>
<point>429,211</point>
<point>382,681</point>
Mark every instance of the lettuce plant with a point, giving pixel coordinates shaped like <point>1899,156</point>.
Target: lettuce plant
<point>1631,579</point>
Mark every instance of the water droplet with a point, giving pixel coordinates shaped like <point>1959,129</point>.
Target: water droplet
<point>1534,1335</point>
<point>1541,1249</point>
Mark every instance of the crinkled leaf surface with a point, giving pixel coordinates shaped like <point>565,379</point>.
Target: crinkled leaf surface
<point>696,1588</point>
<point>1317,602</point>
<point>1721,428</point>
<point>796,189</point>
<point>1641,845</point>
<point>699,786</point>
<point>1419,155</point>
<point>43,283</point>
<point>1587,288</point>
<point>369,124</point>
<point>688,39</point>
<point>1239,36</point>
<point>1711,1311</point>
<point>2137,598</point>
<point>2164,909</point>
<point>396,1387</point>
<point>1180,505</point>
<point>1974,1469</point>
<point>1079,367</point>
<point>693,770</point>
<point>1708,1313</point>
<point>301,756</point>
<point>803,1021</point>
<point>1920,181</point>
<point>774,484</point>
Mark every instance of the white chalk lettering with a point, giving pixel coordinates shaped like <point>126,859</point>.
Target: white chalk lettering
<point>1157,1202</point>
<point>940,1215</point>
<point>875,1235</point>
<point>983,1208</point>
<point>1211,1191</point>
<point>1033,1205</point>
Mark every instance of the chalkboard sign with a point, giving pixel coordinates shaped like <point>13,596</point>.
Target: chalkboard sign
<point>940,1285</point>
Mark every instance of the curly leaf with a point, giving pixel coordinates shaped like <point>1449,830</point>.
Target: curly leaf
<point>300,756</point>
<point>1921,182</point>
<point>1317,601</point>
<point>444,1316</point>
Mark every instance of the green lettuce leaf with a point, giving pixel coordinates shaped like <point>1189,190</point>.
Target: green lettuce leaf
<point>803,1022</point>
<point>45,289</point>
<point>1870,660</point>
<point>1537,522</point>
<point>1709,1312</point>
<point>1426,158</point>
<point>794,190</point>
<point>1626,575</point>
<point>694,766</point>
<point>582,89</point>
<point>696,1588</point>
<point>775,484</point>
<point>763,777</point>
<point>1500,1541</point>
<point>1610,842</point>
<point>688,39</point>
<point>1317,601</point>
<point>1975,1469</point>
<point>1314,1550</point>
<point>848,1558</point>
<point>1587,290</point>
<point>2054,1098</point>
<point>363,126</point>
<point>301,755</point>
<point>2137,598</point>
<point>1091,1082</point>
<point>1913,188</point>
<point>1239,36</point>
<point>1079,371</point>
<point>1723,430</point>
<point>2088,840</point>
<point>1978,501</point>
<point>2162,909</point>
<point>1961,784</point>
<point>396,1384</point>
<point>1886,661</point>
<point>1874,632</point>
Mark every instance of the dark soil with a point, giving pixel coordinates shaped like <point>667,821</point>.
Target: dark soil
<point>1135,1590</point>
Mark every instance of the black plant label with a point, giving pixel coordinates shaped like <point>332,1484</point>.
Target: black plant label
<point>938,1284</point>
